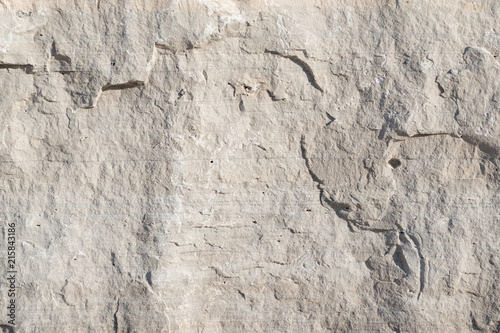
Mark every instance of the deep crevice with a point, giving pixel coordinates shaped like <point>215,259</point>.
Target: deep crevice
<point>273,97</point>
<point>302,64</point>
<point>340,209</point>
<point>483,145</point>
<point>420,135</point>
<point>394,163</point>
<point>400,260</point>
<point>27,67</point>
<point>304,156</point>
<point>122,86</point>
<point>115,317</point>
<point>330,118</point>
<point>417,245</point>
<point>57,56</point>
<point>149,279</point>
<point>475,326</point>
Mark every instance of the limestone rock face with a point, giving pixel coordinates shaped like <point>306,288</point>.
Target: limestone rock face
<point>251,166</point>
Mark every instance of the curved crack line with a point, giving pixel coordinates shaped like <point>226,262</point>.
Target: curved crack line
<point>417,243</point>
<point>341,209</point>
<point>306,159</point>
<point>115,317</point>
<point>302,64</point>
<point>126,85</point>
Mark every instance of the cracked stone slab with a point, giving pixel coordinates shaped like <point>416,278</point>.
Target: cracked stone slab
<point>251,166</point>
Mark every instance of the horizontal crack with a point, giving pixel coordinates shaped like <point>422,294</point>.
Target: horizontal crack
<point>25,67</point>
<point>122,86</point>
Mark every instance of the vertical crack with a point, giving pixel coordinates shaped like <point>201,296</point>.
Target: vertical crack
<point>304,156</point>
<point>115,317</point>
<point>341,209</point>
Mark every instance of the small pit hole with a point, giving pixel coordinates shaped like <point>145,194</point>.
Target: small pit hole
<point>113,63</point>
<point>394,163</point>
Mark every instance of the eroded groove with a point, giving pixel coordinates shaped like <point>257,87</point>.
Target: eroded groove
<point>330,118</point>
<point>149,279</point>
<point>272,96</point>
<point>341,209</point>
<point>122,86</point>
<point>58,56</point>
<point>27,67</point>
<point>420,135</point>
<point>115,317</point>
<point>304,156</point>
<point>303,65</point>
<point>417,245</point>
<point>401,261</point>
<point>189,46</point>
<point>483,144</point>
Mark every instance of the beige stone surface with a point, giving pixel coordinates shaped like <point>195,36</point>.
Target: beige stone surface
<point>251,166</point>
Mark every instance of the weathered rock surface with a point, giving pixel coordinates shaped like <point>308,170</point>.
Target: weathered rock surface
<point>251,166</point>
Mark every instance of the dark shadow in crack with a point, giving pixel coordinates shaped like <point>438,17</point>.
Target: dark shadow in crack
<point>27,68</point>
<point>122,86</point>
<point>302,64</point>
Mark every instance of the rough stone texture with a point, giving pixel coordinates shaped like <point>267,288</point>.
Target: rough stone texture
<point>252,166</point>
